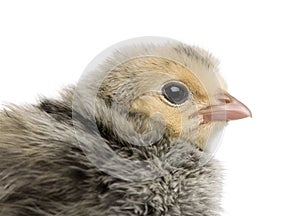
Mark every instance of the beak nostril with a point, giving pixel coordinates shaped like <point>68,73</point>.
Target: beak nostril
<point>227,100</point>
<point>224,99</point>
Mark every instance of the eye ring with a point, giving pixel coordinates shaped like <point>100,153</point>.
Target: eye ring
<point>175,92</point>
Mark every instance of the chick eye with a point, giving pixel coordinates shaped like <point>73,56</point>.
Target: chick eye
<point>175,92</point>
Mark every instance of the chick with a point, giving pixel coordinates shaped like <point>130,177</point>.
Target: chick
<point>131,143</point>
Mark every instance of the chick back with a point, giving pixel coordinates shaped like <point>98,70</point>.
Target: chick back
<point>43,171</point>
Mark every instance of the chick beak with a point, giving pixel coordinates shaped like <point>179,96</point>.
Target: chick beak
<point>230,109</point>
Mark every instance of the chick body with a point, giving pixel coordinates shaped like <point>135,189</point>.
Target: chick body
<point>44,171</point>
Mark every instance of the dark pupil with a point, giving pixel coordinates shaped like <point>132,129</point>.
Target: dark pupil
<point>175,93</point>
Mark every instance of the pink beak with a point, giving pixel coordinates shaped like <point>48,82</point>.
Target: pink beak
<point>231,109</point>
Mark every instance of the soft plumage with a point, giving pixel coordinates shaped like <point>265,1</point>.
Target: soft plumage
<point>117,143</point>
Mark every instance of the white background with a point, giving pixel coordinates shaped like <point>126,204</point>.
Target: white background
<point>45,45</point>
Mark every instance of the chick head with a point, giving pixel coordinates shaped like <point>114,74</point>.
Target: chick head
<point>173,83</point>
